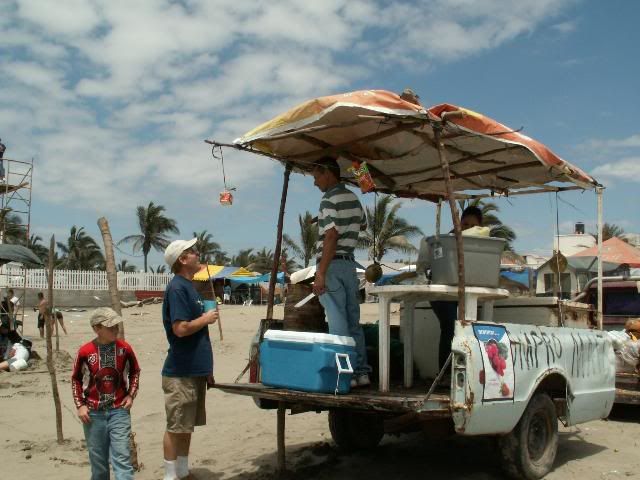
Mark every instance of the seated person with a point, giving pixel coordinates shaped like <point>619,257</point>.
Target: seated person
<point>15,355</point>
<point>447,311</point>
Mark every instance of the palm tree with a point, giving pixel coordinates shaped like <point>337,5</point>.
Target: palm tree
<point>159,269</point>
<point>244,258</point>
<point>386,231</point>
<point>206,246</point>
<point>125,266</point>
<point>610,230</point>
<point>221,258</point>
<point>80,252</point>
<point>12,227</point>
<point>153,229</point>
<point>262,261</point>
<point>308,248</point>
<point>33,244</point>
<point>490,219</point>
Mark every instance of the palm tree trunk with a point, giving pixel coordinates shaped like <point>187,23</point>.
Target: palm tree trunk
<point>112,276</point>
<point>50,365</point>
<point>145,263</point>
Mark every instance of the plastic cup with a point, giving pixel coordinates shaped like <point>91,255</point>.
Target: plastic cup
<point>209,305</point>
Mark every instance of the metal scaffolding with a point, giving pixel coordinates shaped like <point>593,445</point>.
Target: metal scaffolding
<point>15,227</point>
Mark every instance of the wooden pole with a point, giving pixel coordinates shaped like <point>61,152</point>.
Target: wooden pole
<point>55,322</point>
<point>50,365</point>
<point>282,466</point>
<point>213,292</point>
<point>278,249</point>
<point>112,274</point>
<point>457,228</point>
<point>112,279</point>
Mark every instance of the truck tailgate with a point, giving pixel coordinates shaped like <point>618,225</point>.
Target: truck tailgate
<point>396,401</point>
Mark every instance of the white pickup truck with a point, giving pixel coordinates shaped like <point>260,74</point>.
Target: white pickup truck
<point>509,380</point>
<point>506,377</point>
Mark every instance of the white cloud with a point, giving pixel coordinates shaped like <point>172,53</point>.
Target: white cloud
<point>632,141</point>
<point>626,169</point>
<point>115,97</point>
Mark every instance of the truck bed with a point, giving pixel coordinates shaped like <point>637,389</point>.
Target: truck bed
<point>398,400</point>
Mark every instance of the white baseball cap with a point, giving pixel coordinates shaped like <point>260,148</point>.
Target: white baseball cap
<point>175,249</point>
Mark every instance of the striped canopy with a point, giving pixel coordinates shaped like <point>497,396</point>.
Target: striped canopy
<point>396,139</point>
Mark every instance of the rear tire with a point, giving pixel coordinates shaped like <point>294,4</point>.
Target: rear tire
<point>530,449</point>
<point>353,430</point>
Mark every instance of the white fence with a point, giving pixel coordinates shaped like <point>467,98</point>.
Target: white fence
<point>14,277</point>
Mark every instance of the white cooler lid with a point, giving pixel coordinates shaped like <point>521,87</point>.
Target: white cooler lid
<point>308,337</point>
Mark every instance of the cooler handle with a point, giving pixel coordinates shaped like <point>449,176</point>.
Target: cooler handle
<point>342,370</point>
<point>346,357</point>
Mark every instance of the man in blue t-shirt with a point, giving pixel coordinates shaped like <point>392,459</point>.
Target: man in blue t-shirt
<point>188,368</point>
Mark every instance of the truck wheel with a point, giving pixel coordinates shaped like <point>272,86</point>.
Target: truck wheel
<point>530,449</point>
<point>352,430</point>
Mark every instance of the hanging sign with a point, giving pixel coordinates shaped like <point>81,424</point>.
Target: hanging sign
<point>226,198</point>
<point>363,176</point>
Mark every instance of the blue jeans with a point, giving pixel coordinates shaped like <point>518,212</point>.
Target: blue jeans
<point>108,440</point>
<point>341,302</point>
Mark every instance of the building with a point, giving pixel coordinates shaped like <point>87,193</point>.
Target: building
<point>575,242</point>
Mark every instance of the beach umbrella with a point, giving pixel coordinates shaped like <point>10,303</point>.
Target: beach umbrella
<point>19,254</point>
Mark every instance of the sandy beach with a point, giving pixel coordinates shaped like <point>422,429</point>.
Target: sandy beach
<point>239,441</point>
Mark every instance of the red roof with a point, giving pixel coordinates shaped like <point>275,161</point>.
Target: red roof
<point>616,251</point>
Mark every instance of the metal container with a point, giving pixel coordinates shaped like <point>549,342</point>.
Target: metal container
<point>309,317</point>
<point>481,260</point>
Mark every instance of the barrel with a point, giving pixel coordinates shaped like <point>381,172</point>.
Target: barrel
<point>307,318</point>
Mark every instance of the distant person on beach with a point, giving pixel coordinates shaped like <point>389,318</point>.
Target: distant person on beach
<point>60,319</point>
<point>14,305</point>
<point>3,147</point>
<point>13,355</point>
<point>42,312</point>
<point>104,383</point>
<point>447,311</point>
<point>188,368</point>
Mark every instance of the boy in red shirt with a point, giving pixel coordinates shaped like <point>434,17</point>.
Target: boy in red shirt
<point>104,382</point>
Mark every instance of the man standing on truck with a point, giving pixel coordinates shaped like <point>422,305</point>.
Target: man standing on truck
<point>188,368</point>
<point>447,311</point>
<point>336,284</point>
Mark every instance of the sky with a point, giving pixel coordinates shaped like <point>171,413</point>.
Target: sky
<point>113,101</point>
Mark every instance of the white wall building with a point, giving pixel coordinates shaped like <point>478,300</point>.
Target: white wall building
<point>575,242</point>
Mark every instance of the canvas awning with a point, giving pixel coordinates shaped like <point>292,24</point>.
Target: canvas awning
<point>207,271</point>
<point>216,272</point>
<point>396,139</point>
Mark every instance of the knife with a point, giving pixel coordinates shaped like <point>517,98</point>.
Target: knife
<point>304,300</point>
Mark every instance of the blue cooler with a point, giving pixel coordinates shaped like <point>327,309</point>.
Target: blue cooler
<point>307,361</point>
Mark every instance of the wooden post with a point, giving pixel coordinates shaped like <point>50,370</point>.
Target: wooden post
<point>112,279</point>
<point>457,228</point>
<point>281,448</point>
<point>213,292</point>
<point>278,249</point>
<point>47,325</point>
<point>55,322</point>
<point>112,274</point>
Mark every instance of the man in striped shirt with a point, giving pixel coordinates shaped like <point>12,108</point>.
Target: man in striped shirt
<point>340,221</point>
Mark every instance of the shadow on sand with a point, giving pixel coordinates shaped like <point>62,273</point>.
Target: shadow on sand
<point>407,456</point>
